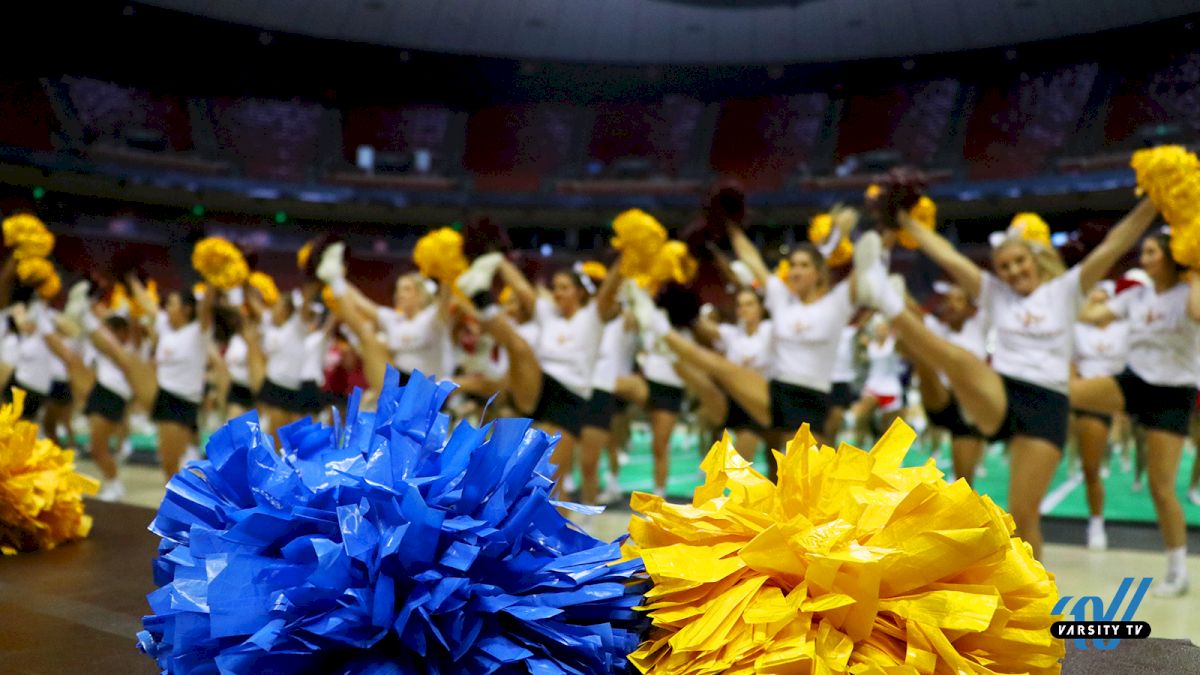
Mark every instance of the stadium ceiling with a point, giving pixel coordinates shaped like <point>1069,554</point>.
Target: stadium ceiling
<point>688,31</point>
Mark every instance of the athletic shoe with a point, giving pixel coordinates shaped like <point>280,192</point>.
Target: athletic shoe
<point>612,491</point>
<point>112,491</point>
<point>742,271</point>
<point>1097,538</point>
<point>77,302</point>
<point>479,275</point>
<point>1194,496</point>
<point>125,451</point>
<point>568,485</point>
<point>1171,587</point>
<point>660,492</point>
<point>333,263</point>
<point>642,306</point>
<point>867,252</point>
<point>1137,485</point>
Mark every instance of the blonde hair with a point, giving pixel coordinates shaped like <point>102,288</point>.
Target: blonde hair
<point>419,282</point>
<point>1049,264</point>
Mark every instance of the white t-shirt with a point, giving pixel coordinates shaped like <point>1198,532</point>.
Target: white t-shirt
<point>283,346</point>
<point>843,362</point>
<point>972,336</point>
<point>108,374</point>
<point>33,361</point>
<point>658,364</point>
<point>181,358</point>
<point>1162,337</point>
<point>751,351</point>
<point>237,360</point>
<point>418,343</point>
<point>316,344</point>
<point>1034,333</point>
<point>616,355</point>
<point>806,336</point>
<point>884,368</point>
<point>1101,352</point>
<point>567,348</point>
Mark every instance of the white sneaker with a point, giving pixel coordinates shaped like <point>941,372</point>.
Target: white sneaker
<point>479,275</point>
<point>867,252</point>
<point>1194,496</point>
<point>1171,587</point>
<point>125,451</point>
<point>660,492</point>
<point>333,263</point>
<point>112,491</point>
<point>742,271</point>
<point>568,484</point>
<point>1097,538</point>
<point>1105,472</point>
<point>191,455</point>
<point>1137,485</point>
<point>622,458</point>
<point>77,302</point>
<point>612,491</point>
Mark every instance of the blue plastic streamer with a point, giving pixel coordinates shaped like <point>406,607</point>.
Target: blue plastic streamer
<point>387,545</point>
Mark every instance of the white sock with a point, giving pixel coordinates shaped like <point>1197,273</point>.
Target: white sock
<point>1096,522</point>
<point>891,303</point>
<point>91,323</point>
<point>235,296</point>
<point>1177,562</point>
<point>338,287</point>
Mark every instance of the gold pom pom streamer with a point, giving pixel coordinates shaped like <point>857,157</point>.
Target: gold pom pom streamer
<point>594,270</point>
<point>41,503</point>
<point>303,255</point>
<point>1170,176</point>
<point>850,564</point>
<point>925,213</point>
<point>27,236</point>
<point>265,285</point>
<point>439,255</point>
<point>639,237</point>
<point>1032,228</point>
<point>819,230</point>
<point>220,263</point>
<point>120,299</point>
<point>32,272</point>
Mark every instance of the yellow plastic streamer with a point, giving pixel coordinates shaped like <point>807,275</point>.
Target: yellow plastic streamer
<point>27,236</point>
<point>819,230</point>
<point>851,564</point>
<point>1032,228</point>
<point>265,285</point>
<point>41,503</point>
<point>439,255</point>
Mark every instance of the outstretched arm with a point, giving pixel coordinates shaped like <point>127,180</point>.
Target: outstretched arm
<point>521,287</point>
<point>748,254</point>
<point>960,268</point>
<point>606,296</point>
<point>1116,243</point>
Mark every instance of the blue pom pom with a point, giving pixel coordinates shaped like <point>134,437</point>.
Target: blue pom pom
<point>388,546</point>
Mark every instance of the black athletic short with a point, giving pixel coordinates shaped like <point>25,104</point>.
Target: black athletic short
<point>310,397</point>
<point>1161,407</point>
<point>951,419</point>
<point>171,408</point>
<point>600,410</point>
<point>738,418</point>
<point>793,405</point>
<point>842,395</point>
<point>664,397</point>
<point>276,396</point>
<point>1034,411</point>
<point>240,395</point>
<point>106,403</point>
<point>60,392</point>
<point>560,406</point>
<point>33,400</point>
<point>1106,419</point>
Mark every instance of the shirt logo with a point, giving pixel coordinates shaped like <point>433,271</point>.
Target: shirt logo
<point>1153,317</point>
<point>1030,320</point>
<point>563,339</point>
<point>800,327</point>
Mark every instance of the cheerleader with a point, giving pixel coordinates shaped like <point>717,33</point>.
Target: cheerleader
<point>664,399</point>
<point>107,406</point>
<point>843,394</point>
<point>240,398</point>
<point>182,332</point>
<point>312,374</point>
<point>807,318</point>
<point>883,391</point>
<point>32,371</point>
<point>284,328</point>
<point>550,381</point>
<point>614,362</point>
<point>1158,387</point>
<point>1032,303</point>
<point>59,403</point>
<point>415,329</point>
<point>961,325</point>
<point>1100,351</point>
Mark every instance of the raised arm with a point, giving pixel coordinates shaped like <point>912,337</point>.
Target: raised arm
<point>521,287</point>
<point>748,253</point>
<point>1193,295</point>
<point>1096,313</point>
<point>606,295</point>
<point>1116,243</point>
<point>960,268</point>
<point>205,309</point>
<point>8,279</point>
<point>141,296</point>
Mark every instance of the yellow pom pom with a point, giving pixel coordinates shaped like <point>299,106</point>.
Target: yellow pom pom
<point>925,213</point>
<point>33,271</point>
<point>819,228</point>
<point>673,264</point>
<point>1031,228</point>
<point>265,285</point>
<point>848,563</point>
<point>199,289</point>
<point>782,269</point>
<point>51,287</point>
<point>220,263</point>
<point>639,237</point>
<point>842,255</point>
<point>1170,176</point>
<point>41,503</point>
<point>303,255</point>
<point>873,191</point>
<point>439,255</point>
<point>506,295</point>
<point>594,270</point>
<point>27,236</point>
<point>327,298</point>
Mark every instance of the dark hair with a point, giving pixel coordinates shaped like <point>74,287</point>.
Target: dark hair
<point>188,300</point>
<point>576,278</point>
<point>814,254</point>
<point>227,322</point>
<point>762,306</point>
<point>1163,239</point>
<point>118,324</point>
